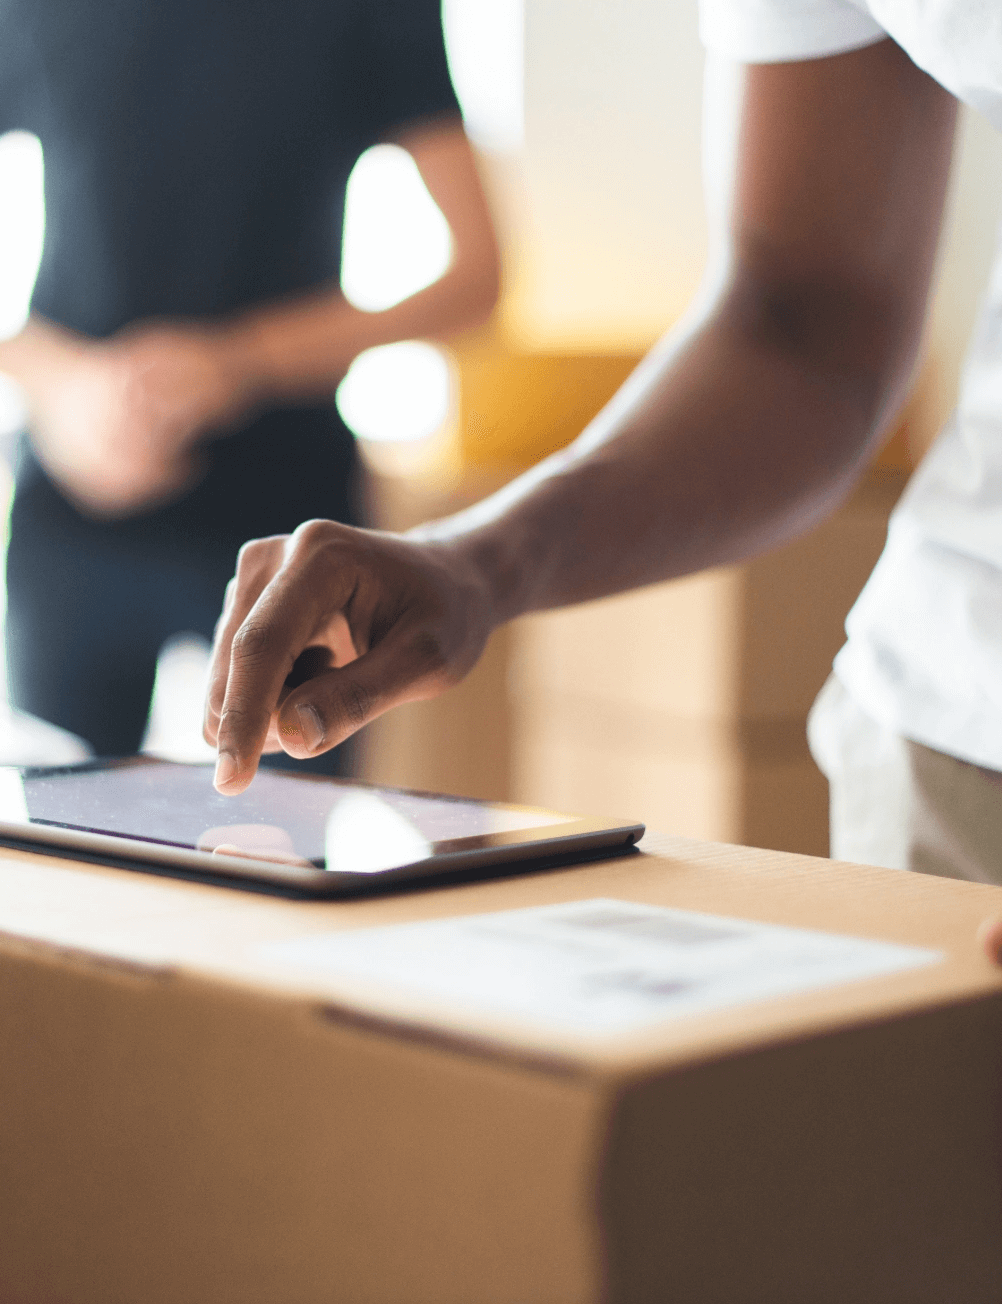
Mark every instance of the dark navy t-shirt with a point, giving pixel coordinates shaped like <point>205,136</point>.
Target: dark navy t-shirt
<point>196,156</point>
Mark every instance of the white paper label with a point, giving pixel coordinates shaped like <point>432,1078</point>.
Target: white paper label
<point>600,966</point>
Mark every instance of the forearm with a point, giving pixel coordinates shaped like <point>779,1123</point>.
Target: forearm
<point>36,350</point>
<point>723,444</point>
<point>747,427</point>
<point>303,348</point>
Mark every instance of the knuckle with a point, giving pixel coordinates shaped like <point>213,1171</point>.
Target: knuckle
<point>315,532</point>
<point>255,555</point>
<point>252,642</point>
<point>247,552</point>
<point>319,547</point>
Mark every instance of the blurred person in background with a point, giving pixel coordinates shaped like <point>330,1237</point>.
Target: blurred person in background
<point>187,327</point>
<point>830,133</point>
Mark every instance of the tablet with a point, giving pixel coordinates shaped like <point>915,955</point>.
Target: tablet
<point>325,837</point>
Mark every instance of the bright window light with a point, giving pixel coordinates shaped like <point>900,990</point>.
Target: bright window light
<point>396,392</point>
<point>396,240</point>
<point>485,42</point>
<point>22,226</point>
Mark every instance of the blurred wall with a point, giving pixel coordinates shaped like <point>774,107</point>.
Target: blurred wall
<point>970,235</point>
<point>613,225</point>
<point>614,228</point>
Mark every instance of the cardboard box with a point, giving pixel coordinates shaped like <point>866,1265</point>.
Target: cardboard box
<point>189,1114</point>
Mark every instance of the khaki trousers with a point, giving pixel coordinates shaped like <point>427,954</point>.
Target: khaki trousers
<point>954,817</point>
<point>896,803</point>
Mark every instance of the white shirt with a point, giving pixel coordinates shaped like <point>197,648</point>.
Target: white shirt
<point>924,655</point>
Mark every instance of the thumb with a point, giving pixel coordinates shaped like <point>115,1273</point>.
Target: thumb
<point>329,708</point>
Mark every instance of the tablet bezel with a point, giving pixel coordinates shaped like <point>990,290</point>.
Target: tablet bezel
<point>456,856</point>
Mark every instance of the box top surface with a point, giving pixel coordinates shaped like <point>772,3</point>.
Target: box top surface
<point>68,912</point>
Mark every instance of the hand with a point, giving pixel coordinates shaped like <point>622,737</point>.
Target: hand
<point>327,628</point>
<point>116,422</point>
<point>990,937</point>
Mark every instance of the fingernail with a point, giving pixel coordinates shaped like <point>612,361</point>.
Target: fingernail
<point>309,722</point>
<point>226,769</point>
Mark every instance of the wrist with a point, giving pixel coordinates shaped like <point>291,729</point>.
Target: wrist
<point>496,554</point>
<point>487,561</point>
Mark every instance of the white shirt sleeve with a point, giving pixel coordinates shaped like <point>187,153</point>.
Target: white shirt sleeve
<point>783,31</point>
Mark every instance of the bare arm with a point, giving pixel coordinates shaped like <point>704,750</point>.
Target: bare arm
<point>749,424</point>
<point>115,421</point>
<point>742,428</point>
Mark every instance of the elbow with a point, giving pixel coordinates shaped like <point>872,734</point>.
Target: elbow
<point>855,340</point>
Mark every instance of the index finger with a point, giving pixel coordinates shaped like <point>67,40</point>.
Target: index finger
<point>262,652</point>
<point>257,563</point>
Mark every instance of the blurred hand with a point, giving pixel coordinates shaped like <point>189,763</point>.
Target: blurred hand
<point>116,422</point>
<point>990,937</point>
<point>327,628</point>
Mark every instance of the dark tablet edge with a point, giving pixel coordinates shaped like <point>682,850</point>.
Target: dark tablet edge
<point>378,886</point>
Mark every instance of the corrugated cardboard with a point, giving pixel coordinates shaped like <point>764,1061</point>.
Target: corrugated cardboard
<point>182,1122</point>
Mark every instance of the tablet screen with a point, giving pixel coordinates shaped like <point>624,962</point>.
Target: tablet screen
<point>283,817</point>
